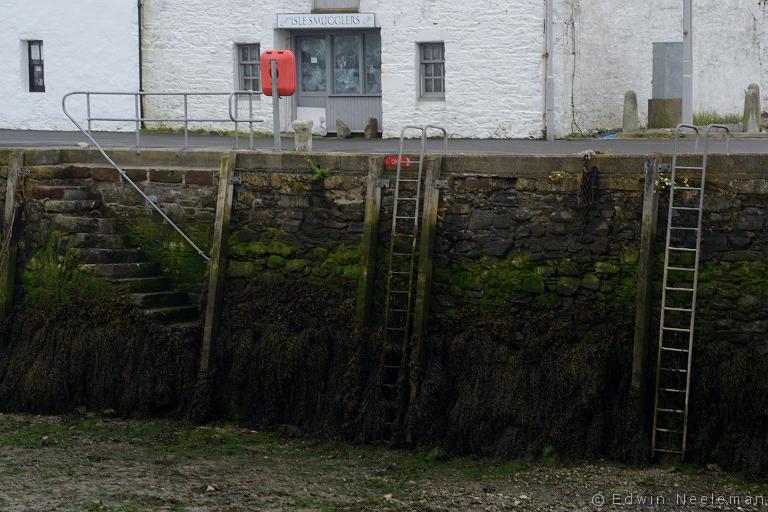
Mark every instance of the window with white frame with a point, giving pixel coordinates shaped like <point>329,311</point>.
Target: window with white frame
<point>432,60</point>
<point>248,67</point>
<point>36,67</point>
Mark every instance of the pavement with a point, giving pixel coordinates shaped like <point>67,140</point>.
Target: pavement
<point>28,138</point>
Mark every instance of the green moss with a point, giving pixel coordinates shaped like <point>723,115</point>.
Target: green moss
<point>54,276</point>
<point>163,245</point>
<point>275,261</point>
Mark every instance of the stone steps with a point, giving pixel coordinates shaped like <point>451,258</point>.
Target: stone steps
<point>143,284</point>
<point>72,224</point>
<point>61,192</point>
<point>71,206</point>
<point>164,299</point>
<point>101,248</point>
<point>174,314</point>
<point>124,270</point>
<point>100,255</point>
<point>98,241</point>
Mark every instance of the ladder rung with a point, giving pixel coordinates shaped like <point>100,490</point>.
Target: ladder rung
<point>682,269</point>
<point>682,249</point>
<point>676,329</point>
<point>390,366</point>
<point>685,208</point>
<point>681,228</point>
<point>407,198</point>
<point>679,350</point>
<point>400,273</point>
<point>688,188</point>
<point>689,168</point>
<point>405,217</point>
<point>389,385</point>
<point>395,328</point>
<point>399,291</point>
<point>407,181</point>
<point>671,411</point>
<point>402,254</point>
<point>684,310</point>
<point>398,310</point>
<point>669,430</point>
<point>673,370</point>
<point>679,289</point>
<point>661,450</point>
<point>401,235</point>
<point>670,390</point>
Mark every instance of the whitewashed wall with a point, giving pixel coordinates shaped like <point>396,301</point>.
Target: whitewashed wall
<point>88,44</point>
<point>614,52</point>
<point>494,65</point>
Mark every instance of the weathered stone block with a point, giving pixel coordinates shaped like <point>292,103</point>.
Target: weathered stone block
<point>104,174</point>
<point>204,178</point>
<point>591,282</point>
<point>165,176</point>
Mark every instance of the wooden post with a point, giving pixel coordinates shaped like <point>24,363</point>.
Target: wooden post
<point>423,281</point>
<point>644,300</point>
<point>218,264</point>
<point>369,243</point>
<point>11,218</point>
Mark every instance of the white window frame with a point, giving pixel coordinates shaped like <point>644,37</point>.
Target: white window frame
<point>423,67</point>
<point>254,66</point>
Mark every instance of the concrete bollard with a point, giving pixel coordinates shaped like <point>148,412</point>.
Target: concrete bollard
<point>631,118</point>
<point>303,135</point>
<point>752,111</point>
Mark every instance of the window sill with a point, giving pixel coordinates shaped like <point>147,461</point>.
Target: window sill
<point>431,99</point>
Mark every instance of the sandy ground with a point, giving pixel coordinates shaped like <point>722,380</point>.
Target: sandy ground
<point>96,463</point>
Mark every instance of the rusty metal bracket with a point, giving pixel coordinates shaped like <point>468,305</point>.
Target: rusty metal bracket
<point>440,184</point>
<point>382,183</point>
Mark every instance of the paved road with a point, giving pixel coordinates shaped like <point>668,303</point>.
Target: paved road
<point>19,138</point>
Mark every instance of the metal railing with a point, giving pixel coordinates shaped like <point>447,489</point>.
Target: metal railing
<point>122,173</point>
<point>184,119</point>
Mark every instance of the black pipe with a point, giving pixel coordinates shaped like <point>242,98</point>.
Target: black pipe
<point>141,64</point>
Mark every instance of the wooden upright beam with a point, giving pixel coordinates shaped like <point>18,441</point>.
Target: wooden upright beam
<point>11,218</point>
<point>644,299</point>
<point>369,242</point>
<point>423,282</point>
<point>218,263</point>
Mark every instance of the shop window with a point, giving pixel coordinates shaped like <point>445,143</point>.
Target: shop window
<point>372,63</point>
<point>312,58</point>
<point>432,56</point>
<point>36,66</point>
<point>248,65</point>
<point>357,64</point>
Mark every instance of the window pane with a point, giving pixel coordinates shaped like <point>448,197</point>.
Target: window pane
<point>313,64</point>
<point>346,70</point>
<point>439,70</point>
<point>428,85</point>
<point>243,53</point>
<point>437,52</point>
<point>36,51</point>
<point>439,85</point>
<point>373,63</point>
<point>426,52</point>
<point>429,70</point>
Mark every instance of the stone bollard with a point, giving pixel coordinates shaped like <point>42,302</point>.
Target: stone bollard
<point>752,111</point>
<point>342,130</point>
<point>303,135</point>
<point>631,119</point>
<point>372,129</point>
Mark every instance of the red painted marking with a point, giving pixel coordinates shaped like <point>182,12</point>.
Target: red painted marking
<point>391,161</point>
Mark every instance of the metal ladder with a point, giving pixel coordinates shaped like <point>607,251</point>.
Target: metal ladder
<point>678,301</point>
<point>401,268</point>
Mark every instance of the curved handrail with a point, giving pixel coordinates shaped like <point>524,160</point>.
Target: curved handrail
<point>445,135</point>
<point>124,175</point>
<point>677,136</point>
<point>727,136</point>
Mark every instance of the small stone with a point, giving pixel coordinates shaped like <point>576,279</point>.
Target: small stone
<point>302,135</point>
<point>295,265</point>
<point>275,261</point>
<point>631,122</point>
<point>568,285</point>
<point>240,268</point>
<point>602,267</point>
<point>342,130</point>
<point>387,497</point>
<point>591,282</point>
<point>372,129</point>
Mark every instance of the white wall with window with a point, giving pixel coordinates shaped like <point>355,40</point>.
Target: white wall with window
<point>49,48</point>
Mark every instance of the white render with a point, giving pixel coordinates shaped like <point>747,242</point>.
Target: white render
<point>88,44</point>
<point>614,53</point>
<point>495,59</point>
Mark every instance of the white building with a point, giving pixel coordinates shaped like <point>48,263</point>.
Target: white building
<point>476,68</point>
<point>51,47</point>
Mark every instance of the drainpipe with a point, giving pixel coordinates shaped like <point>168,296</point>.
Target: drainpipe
<point>687,62</point>
<point>549,85</point>
<point>141,62</point>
